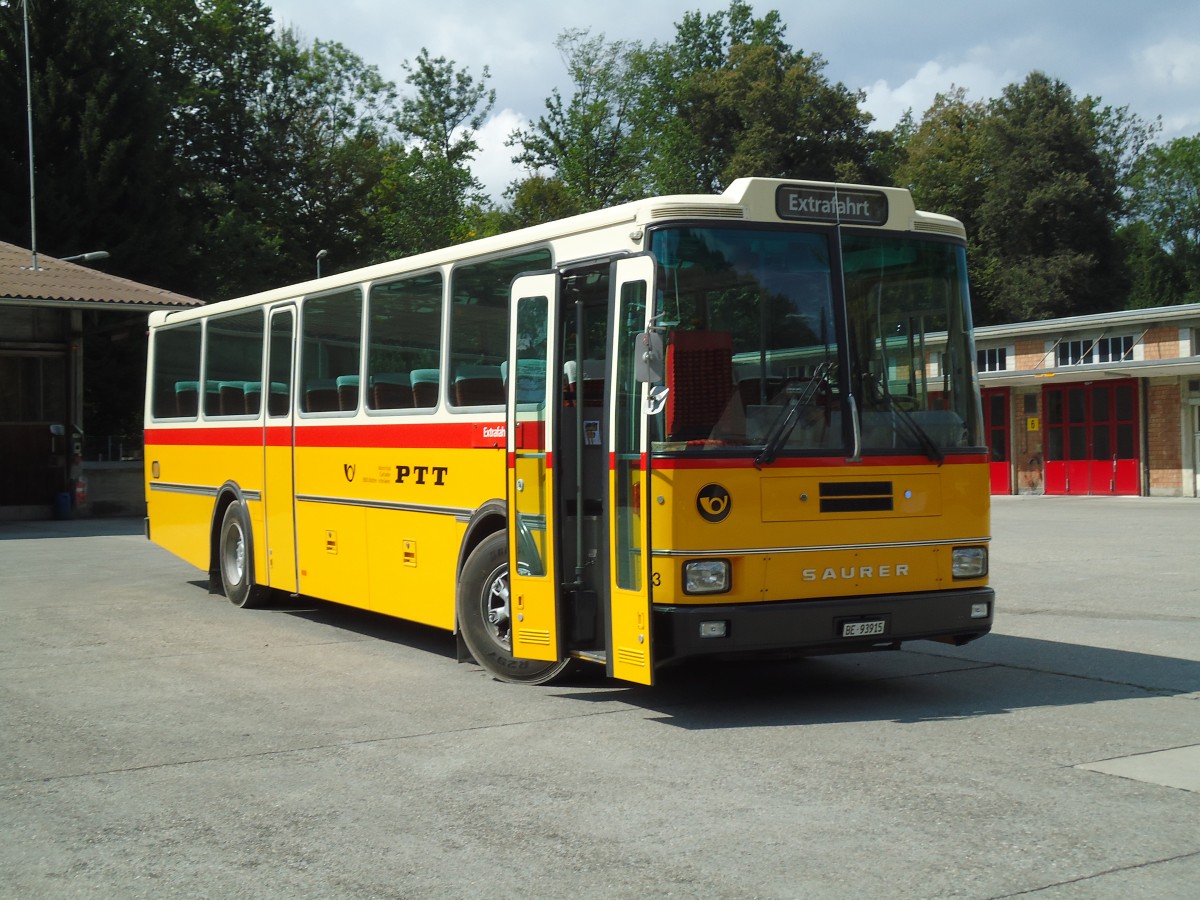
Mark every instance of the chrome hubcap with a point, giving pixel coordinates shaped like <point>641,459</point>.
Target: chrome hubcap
<point>235,557</point>
<point>497,611</point>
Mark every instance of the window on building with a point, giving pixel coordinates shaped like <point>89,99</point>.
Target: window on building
<point>1114,349</point>
<point>994,359</point>
<point>1099,350</point>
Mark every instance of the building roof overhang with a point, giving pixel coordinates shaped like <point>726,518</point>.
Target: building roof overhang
<point>1150,368</point>
<point>1182,315</point>
<point>56,284</point>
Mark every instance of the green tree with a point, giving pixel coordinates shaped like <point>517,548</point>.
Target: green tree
<point>97,117</point>
<point>430,197</point>
<point>943,160</point>
<point>1046,219</point>
<point>1154,276</point>
<point>538,199</point>
<point>586,145</point>
<point>323,137</point>
<point>279,145</point>
<point>1165,194</point>
<point>215,59</point>
<point>729,98</point>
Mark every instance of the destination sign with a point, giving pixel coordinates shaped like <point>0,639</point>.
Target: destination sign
<point>826,204</point>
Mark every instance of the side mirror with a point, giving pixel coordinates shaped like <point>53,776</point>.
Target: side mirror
<point>648,357</point>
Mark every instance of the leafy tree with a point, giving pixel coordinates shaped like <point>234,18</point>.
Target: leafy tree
<point>539,199</point>
<point>323,137</point>
<point>434,197</point>
<point>688,132</point>
<point>97,116</point>
<point>943,159</point>
<point>1045,220</point>
<point>729,98</point>
<point>1165,184</point>
<point>586,145</point>
<point>1154,276</point>
<point>887,150</point>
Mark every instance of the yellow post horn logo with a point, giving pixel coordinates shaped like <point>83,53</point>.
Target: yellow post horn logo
<point>713,503</point>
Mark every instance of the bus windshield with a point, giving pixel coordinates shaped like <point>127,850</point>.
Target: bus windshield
<point>763,357</point>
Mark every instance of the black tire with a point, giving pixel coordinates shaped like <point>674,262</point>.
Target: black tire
<point>483,616</point>
<point>235,559</point>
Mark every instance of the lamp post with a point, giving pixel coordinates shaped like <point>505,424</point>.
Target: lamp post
<point>93,256</point>
<point>29,127</point>
<point>321,254</point>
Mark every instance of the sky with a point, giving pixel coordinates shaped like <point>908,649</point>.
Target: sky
<point>900,53</point>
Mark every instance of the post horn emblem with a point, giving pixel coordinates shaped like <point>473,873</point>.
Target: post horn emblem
<point>713,503</point>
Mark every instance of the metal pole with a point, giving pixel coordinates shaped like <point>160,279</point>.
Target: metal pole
<point>29,124</point>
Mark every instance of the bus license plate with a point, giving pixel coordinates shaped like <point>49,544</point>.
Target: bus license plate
<point>863,629</point>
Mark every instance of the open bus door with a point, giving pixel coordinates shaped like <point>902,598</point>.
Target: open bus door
<point>568,458</point>
<point>629,638</point>
<point>534,398</point>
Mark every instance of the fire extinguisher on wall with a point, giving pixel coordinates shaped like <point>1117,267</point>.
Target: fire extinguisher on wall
<point>80,491</point>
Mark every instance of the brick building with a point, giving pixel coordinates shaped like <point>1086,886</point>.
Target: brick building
<point>1099,404</point>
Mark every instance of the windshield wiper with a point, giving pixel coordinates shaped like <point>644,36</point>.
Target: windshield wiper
<point>932,450</point>
<point>786,420</point>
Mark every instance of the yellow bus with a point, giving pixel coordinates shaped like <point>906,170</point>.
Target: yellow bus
<point>687,426</point>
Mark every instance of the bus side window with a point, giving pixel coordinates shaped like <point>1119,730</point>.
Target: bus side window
<point>233,358</point>
<point>404,334</point>
<point>176,375</point>
<point>479,325</point>
<point>278,388</point>
<point>329,350</point>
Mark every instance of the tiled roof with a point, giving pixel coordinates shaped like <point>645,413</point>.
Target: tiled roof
<point>55,281</point>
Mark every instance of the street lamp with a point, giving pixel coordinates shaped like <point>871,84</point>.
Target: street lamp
<point>321,254</point>
<point>85,257</point>
<point>29,128</point>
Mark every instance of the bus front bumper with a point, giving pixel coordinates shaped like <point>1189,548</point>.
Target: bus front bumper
<point>818,627</point>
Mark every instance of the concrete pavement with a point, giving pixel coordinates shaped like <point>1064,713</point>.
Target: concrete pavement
<point>155,741</point>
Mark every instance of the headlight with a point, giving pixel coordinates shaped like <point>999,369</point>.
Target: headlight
<point>969,562</point>
<point>706,576</point>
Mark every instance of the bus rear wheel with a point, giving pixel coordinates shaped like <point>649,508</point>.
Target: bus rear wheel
<point>235,557</point>
<point>485,616</point>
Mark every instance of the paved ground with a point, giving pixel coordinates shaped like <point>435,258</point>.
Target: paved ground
<point>155,741</point>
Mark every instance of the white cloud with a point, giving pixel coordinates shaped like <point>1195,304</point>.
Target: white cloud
<point>493,166</point>
<point>1172,63</point>
<point>887,104</point>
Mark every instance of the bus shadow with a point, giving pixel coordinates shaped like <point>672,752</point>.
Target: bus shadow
<point>364,622</point>
<point>996,676</point>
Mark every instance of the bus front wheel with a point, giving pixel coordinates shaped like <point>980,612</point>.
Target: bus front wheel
<point>484,616</point>
<point>235,557</point>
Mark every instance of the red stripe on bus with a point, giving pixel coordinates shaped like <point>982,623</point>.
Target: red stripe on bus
<point>431,436</point>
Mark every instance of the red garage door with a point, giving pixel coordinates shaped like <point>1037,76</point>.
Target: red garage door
<point>1092,438</point>
<point>996,426</point>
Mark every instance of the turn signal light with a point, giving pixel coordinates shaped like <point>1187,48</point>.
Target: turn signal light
<point>718,629</point>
